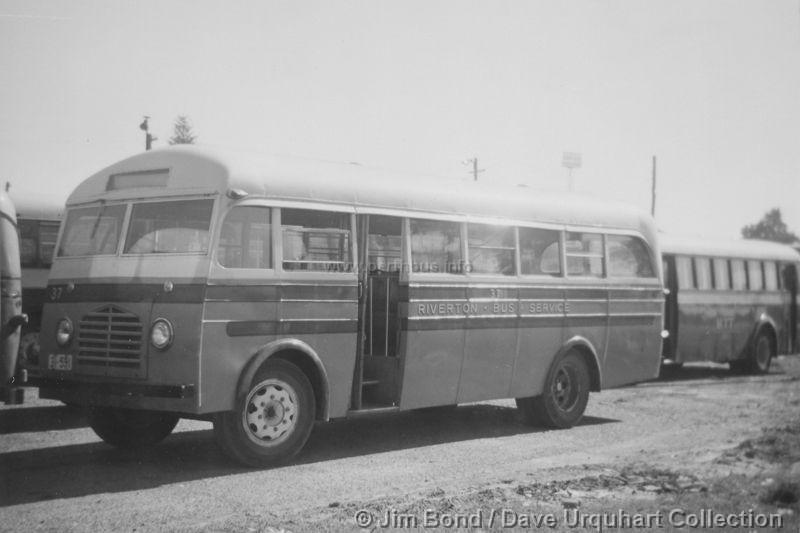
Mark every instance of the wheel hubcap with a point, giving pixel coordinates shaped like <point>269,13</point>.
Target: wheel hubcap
<point>270,414</point>
<point>565,388</point>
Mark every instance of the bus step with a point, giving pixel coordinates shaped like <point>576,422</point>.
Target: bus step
<point>372,409</point>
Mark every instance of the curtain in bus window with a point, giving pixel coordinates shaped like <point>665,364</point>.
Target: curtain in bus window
<point>383,246</point>
<point>436,247</point>
<point>179,226</point>
<point>584,254</point>
<point>540,251</point>
<point>245,240</point>
<point>702,268</point>
<point>754,276</point>
<point>738,275</point>
<point>316,240</point>
<point>491,249</point>
<point>770,276</point>
<point>92,231</point>
<point>683,266</point>
<point>629,257</point>
<point>721,278</point>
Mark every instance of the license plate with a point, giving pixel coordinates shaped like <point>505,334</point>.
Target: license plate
<point>60,361</point>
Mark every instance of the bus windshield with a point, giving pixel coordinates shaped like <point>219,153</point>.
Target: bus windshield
<point>180,226</point>
<point>169,227</point>
<point>92,231</point>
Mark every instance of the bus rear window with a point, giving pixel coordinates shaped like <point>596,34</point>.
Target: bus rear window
<point>629,257</point>
<point>179,226</point>
<point>92,231</point>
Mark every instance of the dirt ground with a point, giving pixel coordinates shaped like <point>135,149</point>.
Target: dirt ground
<point>700,448</point>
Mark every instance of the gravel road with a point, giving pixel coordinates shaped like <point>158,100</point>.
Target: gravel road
<point>55,474</point>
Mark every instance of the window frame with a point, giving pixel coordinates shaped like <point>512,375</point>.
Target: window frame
<point>224,216</point>
<point>603,255</point>
<point>278,255</point>
<point>560,232</point>
<point>514,250</point>
<point>123,231</point>
<point>648,250</point>
<point>409,238</point>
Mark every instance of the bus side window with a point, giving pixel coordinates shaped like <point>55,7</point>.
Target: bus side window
<point>48,234</point>
<point>683,265</point>
<point>722,281</point>
<point>738,275</point>
<point>702,269</point>
<point>770,276</point>
<point>28,245</point>
<point>316,240</point>
<point>584,254</point>
<point>384,248</point>
<point>755,276</point>
<point>540,251</point>
<point>491,249</point>
<point>245,240</point>
<point>436,247</point>
<point>628,257</point>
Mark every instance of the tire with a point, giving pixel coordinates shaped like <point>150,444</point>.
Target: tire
<point>129,428</point>
<point>28,355</point>
<point>565,395</point>
<point>758,359</point>
<point>281,398</point>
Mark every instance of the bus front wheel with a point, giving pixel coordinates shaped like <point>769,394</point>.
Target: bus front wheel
<point>273,421</point>
<point>758,359</point>
<point>566,393</point>
<point>129,428</point>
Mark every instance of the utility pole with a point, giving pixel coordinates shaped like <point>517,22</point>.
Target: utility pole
<point>148,138</point>
<point>570,161</point>
<point>653,190</point>
<point>475,170</point>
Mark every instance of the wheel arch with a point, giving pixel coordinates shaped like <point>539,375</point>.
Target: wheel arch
<point>766,324</point>
<point>584,347</point>
<point>298,353</point>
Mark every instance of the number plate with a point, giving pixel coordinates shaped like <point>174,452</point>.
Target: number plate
<point>60,361</point>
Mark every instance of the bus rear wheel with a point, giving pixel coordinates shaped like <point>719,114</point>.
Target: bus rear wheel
<point>759,358</point>
<point>129,428</point>
<point>566,393</point>
<point>272,422</point>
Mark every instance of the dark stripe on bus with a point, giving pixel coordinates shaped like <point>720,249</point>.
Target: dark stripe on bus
<point>481,323</point>
<point>631,294</point>
<point>127,292</point>
<point>289,327</point>
<point>197,293</point>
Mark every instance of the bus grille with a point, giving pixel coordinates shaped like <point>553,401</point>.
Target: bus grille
<point>110,343</point>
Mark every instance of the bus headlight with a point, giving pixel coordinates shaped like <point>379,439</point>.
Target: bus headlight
<point>161,334</point>
<point>64,331</point>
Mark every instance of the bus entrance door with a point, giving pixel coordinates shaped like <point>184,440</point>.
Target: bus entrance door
<point>377,380</point>
<point>670,345</point>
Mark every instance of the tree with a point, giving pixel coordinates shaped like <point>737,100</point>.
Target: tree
<point>182,132</point>
<point>771,228</point>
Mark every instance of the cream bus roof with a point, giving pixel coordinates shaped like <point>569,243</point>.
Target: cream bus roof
<point>202,170</point>
<point>742,248</point>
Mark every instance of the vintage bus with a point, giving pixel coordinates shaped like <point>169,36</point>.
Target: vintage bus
<point>38,219</point>
<point>11,316</point>
<point>264,293</point>
<point>730,302</point>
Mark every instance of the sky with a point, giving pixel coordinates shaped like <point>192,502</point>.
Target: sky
<point>711,88</point>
